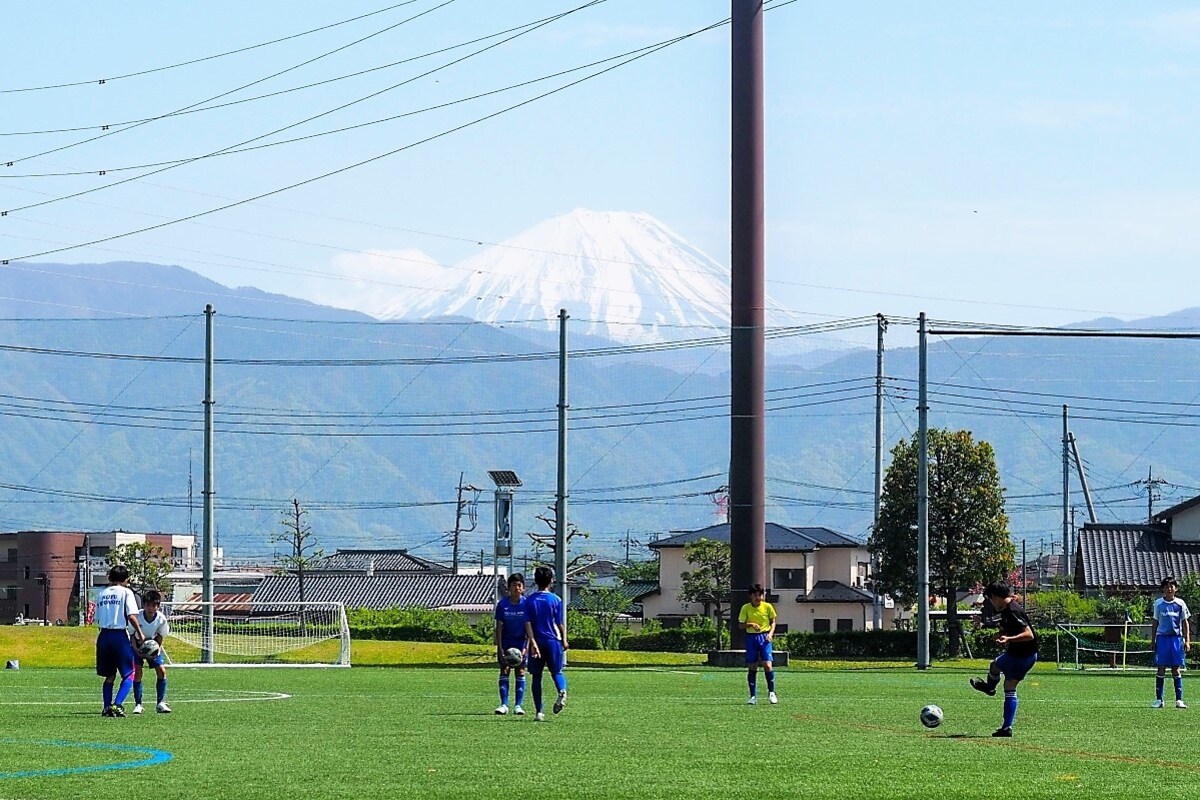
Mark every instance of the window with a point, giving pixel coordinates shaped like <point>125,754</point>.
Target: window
<point>27,573</point>
<point>12,554</point>
<point>845,625</point>
<point>820,626</point>
<point>178,555</point>
<point>789,579</point>
<point>860,575</point>
<point>100,551</point>
<point>8,593</point>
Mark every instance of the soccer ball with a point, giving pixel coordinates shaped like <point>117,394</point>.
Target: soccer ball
<point>149,649</point>
<point>931,716</point>
<point>513,657</point>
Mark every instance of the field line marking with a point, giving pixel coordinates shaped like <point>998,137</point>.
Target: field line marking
<point>155,757</point>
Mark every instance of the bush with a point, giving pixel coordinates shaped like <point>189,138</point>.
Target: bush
<point>584,642</point>
<point>695,635</point>
<point>417,625</point>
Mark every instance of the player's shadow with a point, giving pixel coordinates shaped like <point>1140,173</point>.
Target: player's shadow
<point>464,715</point>
<point>963,736</point>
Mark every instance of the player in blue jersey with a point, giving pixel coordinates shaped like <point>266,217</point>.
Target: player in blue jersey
<point>116,609</point>
<point>1170,639</point>
<point>547,634</point>
<point>510,632</point>
<point>1020,651</point>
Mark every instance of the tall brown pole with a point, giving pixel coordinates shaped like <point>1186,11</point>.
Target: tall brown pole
<point>747,425</point>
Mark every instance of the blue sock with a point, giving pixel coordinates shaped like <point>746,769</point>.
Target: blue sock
<point>160,688</point>
<point>752,679</point>
<point>107,691</point>
<point>770,680</point>
<point>520,689</point>
<point>560,681</point>
<point>1158,686</point>
<point>124,689</point>
<point>1010,708</point>
<point>1179,687</point>
<point>537,692</point>
<point>503,690</point>
<point>137,692</point>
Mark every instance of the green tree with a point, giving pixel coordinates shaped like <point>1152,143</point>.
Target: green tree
<point>636,571</point>
<point>604,604</point>
<point>148,565</point>
<point>968,529</point>
<point>709,583</point>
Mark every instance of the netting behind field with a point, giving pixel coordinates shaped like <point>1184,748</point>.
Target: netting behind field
<point>246,633</point>
<point>1099,646</point>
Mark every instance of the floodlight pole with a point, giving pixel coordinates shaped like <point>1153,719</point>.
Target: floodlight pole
<point>206,631</point>
<point>1066,495</point>
<point>880,328</point>
<point>923,502</point>
<point>560,500</point>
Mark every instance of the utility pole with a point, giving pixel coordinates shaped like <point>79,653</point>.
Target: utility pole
<point>560,501</point>
<point>472,516</point>
<point>923,661</point>
<point>206,584</point>
<point>880,328</point>
<point>1066,495</point>
<point>629,542</point>
<point>1152,483</point>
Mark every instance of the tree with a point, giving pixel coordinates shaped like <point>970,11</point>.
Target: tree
<point>549,542</point>
<point>148,565</point>
<point>636,571</point>
<point>303,553</point>
<point>605,604</point>
<point>709,583</point>
<point>968,529</point>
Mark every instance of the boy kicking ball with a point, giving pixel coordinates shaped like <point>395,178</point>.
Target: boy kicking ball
<point>1170,639</point>
<point>1019,656</point>
<point>153,625</point>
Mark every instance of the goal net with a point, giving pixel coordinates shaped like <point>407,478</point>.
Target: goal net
<point>248,634</point>
<point>1120,646</point>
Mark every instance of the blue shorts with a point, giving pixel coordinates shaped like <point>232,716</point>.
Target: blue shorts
<point>520,645</point>
<point>114,653</point>
<point>553,657</point>
<point>758,648</point>
<point>1168,651</point>
<point>155,662</point>
<point>1015,668</point>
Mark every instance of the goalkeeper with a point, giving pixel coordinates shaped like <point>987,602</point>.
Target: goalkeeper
<point>153,624</point>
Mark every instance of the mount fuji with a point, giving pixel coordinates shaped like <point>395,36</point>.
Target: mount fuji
<point>626,276</point>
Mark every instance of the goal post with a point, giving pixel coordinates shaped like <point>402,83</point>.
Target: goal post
<point>250,634</point>
<point>1104,646</point>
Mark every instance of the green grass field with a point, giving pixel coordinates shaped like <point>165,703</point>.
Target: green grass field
<point>626,733</point>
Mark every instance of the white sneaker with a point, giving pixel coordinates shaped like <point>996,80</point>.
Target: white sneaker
<point>520,712</point>
<point>753,701</point>
<point>1157,704</point>
<point>1180,704</point>
<point>502,710</point>
<point>539,717</point>
<point>773,698</point>
<point>137,709</point>
<point>163,708</point>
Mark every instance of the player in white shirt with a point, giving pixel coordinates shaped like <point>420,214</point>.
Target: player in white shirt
<point>116,612</point>
<point>153,624</point>
<point>1170,639</point>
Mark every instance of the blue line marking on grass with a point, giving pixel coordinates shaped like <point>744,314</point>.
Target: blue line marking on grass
<point>153,757</point>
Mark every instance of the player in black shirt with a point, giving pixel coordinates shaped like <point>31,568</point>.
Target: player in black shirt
<point>1020,651</point>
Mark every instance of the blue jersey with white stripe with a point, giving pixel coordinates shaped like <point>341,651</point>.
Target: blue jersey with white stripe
<point>511,617</point>
<point>1170,616</point>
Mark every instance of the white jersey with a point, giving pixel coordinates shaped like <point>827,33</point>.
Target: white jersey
<point>114,607</point>
<point>1170,616</point>
<point>152,628</point>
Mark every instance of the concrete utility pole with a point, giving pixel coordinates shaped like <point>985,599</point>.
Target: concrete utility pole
<point>1087,493</point>
<point>560,501</point>
<point>206,628</point>
<point>458,529</point>
<point>1066,465</point>
<point>747,408</point>
<point>880,328</point>
<point>923,661</point>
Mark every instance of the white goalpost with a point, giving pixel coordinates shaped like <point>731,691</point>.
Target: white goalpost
<point>1103,646</point>
<point>250,634</point>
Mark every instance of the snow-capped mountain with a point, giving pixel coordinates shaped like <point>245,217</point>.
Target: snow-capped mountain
<point>624,276</point>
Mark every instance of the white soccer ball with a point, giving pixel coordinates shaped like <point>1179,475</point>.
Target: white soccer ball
<point>513,656</point>
<point>931,716</point>
<point>149,649</point>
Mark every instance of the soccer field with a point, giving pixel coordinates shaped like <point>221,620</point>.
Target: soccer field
<point>626,733</point>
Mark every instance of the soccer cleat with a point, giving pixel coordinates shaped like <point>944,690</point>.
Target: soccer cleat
<point>1180,704</point>
<point>560,703</point>
<point>137,709</point>
<point>163,708</point>
<point>108,712</point>
<point>773,698</point>
<point>502,710</point>
<point>981,685</point>
<point>539,717</point>
<point>753,701</point>
<point>1002,733</point>
<point>1157,703</point>
<point>520,712</point>
<point>118,711</point>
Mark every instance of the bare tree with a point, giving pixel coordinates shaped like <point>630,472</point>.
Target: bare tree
<point>297,536</point>
<point>548,541</point>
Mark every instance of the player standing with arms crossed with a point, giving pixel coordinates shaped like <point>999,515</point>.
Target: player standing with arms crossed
<point>547,637</point>
<point>757,619</point>
<point>510,633</point>
<point>116,610</point>
<point>153,625</point>
<point>1170,639</point>
<point>1019,656</point>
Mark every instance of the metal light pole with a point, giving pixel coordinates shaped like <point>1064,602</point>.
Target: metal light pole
<point>923,503</point>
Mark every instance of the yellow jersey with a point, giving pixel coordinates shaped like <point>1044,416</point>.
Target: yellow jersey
<point>757,618</point>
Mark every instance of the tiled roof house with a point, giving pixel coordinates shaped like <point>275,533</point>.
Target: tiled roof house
<point>1113,558</point>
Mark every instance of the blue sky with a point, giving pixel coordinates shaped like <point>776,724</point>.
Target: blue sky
<point>1019,163</point>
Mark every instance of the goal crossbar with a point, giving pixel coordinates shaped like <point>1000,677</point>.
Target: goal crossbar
<point>245,633</point>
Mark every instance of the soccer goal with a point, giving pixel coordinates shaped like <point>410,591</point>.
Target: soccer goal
<point>249,634</point>
<point>1098,646</point>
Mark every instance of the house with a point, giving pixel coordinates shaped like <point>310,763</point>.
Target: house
<point>1126,559</point>
<point>816,579</point>
<point>473,595</point>
<point>377,562</point>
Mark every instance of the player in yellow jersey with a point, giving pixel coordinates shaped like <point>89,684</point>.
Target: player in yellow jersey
<point>757,619</point>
